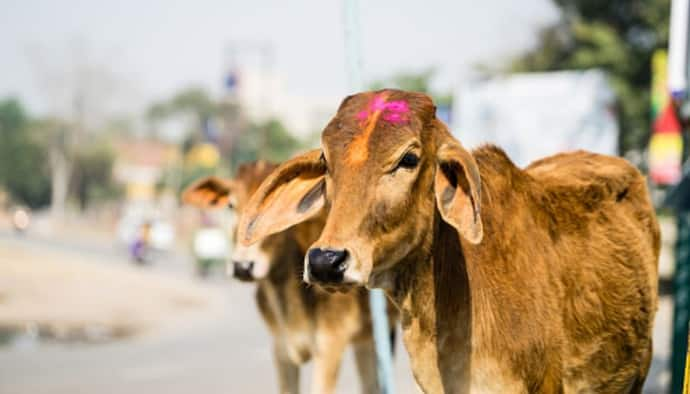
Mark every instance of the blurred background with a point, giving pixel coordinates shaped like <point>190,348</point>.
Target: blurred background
<point>109,109</point>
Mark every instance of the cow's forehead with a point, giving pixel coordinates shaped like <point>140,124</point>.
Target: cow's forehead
<point>371,123</point>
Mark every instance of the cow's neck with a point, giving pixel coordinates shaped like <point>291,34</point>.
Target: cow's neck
<point>291,302</point>
<point>450,300</point>
<point>434,295</point>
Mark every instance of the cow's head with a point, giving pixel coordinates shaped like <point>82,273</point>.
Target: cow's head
<point>249,262</point>
<point>386,166</point>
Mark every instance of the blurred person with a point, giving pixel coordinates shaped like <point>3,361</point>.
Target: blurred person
<point>141,245</point>
<point>210,245</point>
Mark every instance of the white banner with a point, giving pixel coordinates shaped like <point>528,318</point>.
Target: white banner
<point>678,48</point>
<point>538,114</point>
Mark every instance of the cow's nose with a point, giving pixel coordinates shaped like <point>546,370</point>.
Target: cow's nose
<point>327,265</point>
<point>242,270</point>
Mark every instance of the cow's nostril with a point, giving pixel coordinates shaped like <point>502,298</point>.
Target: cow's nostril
<point>243,270</point>
<point>336,257</point>
<point>327,265</point>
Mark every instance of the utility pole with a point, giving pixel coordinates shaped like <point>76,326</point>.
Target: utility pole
<point>377,300</point>
<point>265,52</point>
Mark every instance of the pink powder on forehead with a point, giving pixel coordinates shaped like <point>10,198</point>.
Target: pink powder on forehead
<point>396,112</point>
<point>378,104</point>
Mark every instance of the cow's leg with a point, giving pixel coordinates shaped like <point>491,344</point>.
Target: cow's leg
<point>330,348</point>
<point>365,358</point>
<point>288,371</point>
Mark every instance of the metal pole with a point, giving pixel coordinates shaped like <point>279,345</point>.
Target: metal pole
<point>377,300</point>
<point>681,282</point>
<point>678,85</point>
<point>382,338</point>
<point>353,55</point>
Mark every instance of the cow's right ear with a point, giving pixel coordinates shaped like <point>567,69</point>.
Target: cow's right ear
<point>209,192</point>
<point>293,193</point>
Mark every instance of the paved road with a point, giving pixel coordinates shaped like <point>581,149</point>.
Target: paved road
<point>226,353</point>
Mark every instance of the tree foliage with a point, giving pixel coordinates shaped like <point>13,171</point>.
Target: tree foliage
<point>23,167</point>
<point>407,80</point>
<point>92,176</point>
<point>414,81</point>
<point>618,36</point>
<point>268,140</point>
<point>238,139</point>
<point>192,101</point>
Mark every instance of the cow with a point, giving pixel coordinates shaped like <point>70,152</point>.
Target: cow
<point>305,322</point>
<point>509,280</point>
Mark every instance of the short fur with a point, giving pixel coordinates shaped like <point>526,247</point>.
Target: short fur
<point>509,280</point>
<point>560,296</point>
<point>306,322</point>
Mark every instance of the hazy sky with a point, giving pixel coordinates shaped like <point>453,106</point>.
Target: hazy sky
<point>154,47</point>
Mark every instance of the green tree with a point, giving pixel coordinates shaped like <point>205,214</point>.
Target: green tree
<point>419,81</point>
<point>407,80</point>
<point>193,101</point>
<point>23,169</point>
<point>92,178</point>
<point>268,140</point>
<point>618,36</point>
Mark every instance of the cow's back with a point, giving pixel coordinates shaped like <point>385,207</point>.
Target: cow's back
<point>603,227</point>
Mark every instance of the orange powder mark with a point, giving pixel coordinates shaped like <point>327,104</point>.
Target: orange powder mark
<point>358,150</point>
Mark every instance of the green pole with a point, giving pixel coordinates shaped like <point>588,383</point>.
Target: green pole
<point>686,381</point>
<point>681,308</point>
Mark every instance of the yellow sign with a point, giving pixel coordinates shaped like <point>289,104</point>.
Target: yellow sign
<point>203,155</point>
<point>686,381</point>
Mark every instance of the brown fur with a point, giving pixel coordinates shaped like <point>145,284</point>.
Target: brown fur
<point>540,280</point>
<point>306,322</point>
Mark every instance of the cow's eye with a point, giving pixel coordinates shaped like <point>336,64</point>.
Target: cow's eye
<point>232,202</point>
<point>323,161</point>
<point>409,161</point>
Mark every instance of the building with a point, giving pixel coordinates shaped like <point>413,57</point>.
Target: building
<point>263,95</point>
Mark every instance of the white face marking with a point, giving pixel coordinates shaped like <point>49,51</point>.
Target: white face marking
<point>352,275</point>
<point>305,271</point>
<point>253,254</point>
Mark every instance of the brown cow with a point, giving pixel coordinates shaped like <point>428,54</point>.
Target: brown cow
<point>305,322</point>
<point>539,280</point>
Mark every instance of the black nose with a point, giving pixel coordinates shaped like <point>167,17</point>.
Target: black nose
<point>242,270</point>
<point>327,265</point>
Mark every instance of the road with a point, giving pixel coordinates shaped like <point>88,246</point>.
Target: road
<point>227,352</point>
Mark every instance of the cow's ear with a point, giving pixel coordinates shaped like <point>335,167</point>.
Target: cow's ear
<point>293,193</point>
<point>457,186</point>
<point>209,192</point>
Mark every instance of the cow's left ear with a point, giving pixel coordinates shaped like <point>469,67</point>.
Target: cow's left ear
<point>209,192</point>
<point>457,186</point>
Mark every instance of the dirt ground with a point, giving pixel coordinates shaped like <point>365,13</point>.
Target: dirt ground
<point>70,297</point>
